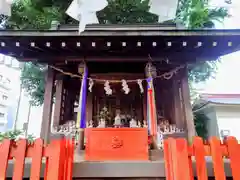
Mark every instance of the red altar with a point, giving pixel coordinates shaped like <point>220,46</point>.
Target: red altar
<point>116,144</point>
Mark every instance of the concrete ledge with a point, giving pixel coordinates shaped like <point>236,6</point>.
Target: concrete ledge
<point>175,135</point>
<point>118,169</point>
<point>151,169</point>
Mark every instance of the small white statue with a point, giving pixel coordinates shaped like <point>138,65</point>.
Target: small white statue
<point>133,123</point>
<point>160,139</point>
<point>166,122</point>
<point>172,128</point>
<point>71,130</point>
<point>102,123</point>
<point>66,128</point>
<point>117,120</point>
<point>90,124</point>
<point>61,129</point>
<point>145,125</point>
<point>55,130</point>
<point>166,129</point>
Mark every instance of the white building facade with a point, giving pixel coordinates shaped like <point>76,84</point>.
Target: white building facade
<point>28,119</point>
<point>4,101</point>
<point>9,91</point>
<point>223,113</point>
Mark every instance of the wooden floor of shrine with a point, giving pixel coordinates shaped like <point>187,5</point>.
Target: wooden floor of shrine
<point>152,169</point>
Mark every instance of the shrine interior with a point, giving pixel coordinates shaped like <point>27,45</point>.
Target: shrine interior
<point>130,106</point>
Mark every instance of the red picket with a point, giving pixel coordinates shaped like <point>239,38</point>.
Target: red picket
<point>19,158</point>
<point>178,162</point>
<point>37,149</point>
<point>234,156</point>
<point>199,153</point>
<point>59,154</point>
<point>217,158</point>
<point>4,153</point>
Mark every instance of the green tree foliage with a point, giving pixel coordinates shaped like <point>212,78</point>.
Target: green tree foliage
<point>33,80</point>
<point>38,14</point>
<point>200,122</point>
<point>127,12</point>
<point>16,135</point>
<point>202,71</point>
<point>200,118</point>
<point>197,14</point>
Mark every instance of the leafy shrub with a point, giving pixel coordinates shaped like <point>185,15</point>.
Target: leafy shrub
<point>16,135</point>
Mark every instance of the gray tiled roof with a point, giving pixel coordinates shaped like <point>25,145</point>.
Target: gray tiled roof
<point>222,99</point>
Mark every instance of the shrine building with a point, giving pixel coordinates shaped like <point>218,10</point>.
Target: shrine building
<point>135,80</point>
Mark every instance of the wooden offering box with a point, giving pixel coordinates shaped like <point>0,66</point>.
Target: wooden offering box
<point>116,144</point>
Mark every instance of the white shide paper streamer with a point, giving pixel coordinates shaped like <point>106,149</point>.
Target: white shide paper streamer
<point>166,10</point>
<point>84,11</point>
<point>5,7</point>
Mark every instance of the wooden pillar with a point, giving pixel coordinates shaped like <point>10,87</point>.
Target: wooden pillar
<point>145,105</point>
<point>81,136</point>
<point>69,103</point>
<point>188,114</point>
<point>178,114</point>
<point>58,102</point>
<point>47,106</point>
<point>166,99</point>
<point>89,114</point>
<point>139,109</point>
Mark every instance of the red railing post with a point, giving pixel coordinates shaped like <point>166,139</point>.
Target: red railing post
<point>178,162</point>
<point>59,155</point>
<point>4,154</point>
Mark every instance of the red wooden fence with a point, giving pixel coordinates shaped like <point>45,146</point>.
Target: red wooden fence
<point>178,158</point>
<point>58,154</point>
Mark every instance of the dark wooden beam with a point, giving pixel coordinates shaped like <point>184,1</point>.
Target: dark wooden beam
<point>47,106</point>
<point>118,41</point>
<point>114,56</point>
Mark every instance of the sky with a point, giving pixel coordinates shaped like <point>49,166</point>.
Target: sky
<point>226,79</point>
